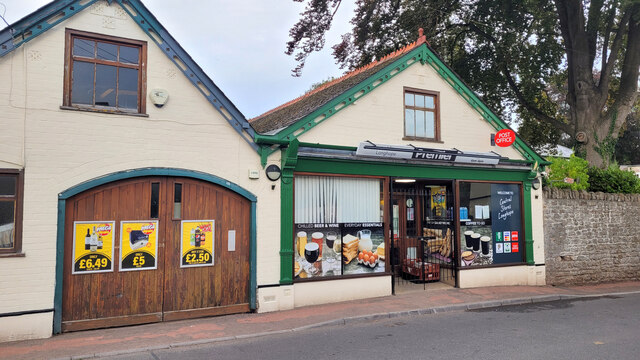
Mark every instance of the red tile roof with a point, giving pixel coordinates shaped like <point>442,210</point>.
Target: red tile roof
<point>294,110</point>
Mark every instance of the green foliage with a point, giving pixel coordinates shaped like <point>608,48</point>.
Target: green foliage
<point>613,180</point>
<point>628,146</point>
<point>574,168</point>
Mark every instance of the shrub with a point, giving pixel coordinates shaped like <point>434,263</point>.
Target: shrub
<point>613,180</point>
<point>574,168</point>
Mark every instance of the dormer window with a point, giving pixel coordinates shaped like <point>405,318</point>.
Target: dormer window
<point>421,115</point>
<point>104,73</point>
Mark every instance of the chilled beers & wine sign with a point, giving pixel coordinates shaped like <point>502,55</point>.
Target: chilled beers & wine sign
<point>92,246</point>
<point>196,246</point>
<point>138,245</point>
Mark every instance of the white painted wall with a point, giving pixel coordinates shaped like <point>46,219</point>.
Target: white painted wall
<point>502,276</point>
<point>60,148</point>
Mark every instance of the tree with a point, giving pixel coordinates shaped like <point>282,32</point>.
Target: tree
<point>511,52</point>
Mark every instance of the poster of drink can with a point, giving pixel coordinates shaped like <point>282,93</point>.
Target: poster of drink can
<point>197,244</point>
<point>92,247</point>
<point>138,245</point>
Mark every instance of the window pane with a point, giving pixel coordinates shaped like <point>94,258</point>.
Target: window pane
<point>129,55</point>
<point>107,51</point>
<point>84,48</point>
<point>408,99</point>
<point>420,125</point>
<point>430,102</point>
<point>419,100</point>
<point>431,125</point>
<point>82,78</point>
<point>7,185</point>
<point>6,224</point>
<point>409,123</point>
<point>6,212</point>
<point>105,85</point>
<point>128,88</point>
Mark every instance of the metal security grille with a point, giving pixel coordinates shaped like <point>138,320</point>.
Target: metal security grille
<point>423,228</point>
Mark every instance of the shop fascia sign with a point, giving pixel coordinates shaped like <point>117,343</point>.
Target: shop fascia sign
<point>410,152</point>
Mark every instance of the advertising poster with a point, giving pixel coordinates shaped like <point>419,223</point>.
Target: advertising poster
<point>197,242</point>
<point>138,245</point>
<point>363,249</point>
<point>506,215</point>
<point>92,246</point>
<point>317,250</point>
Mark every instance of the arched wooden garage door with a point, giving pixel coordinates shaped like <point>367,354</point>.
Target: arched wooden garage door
<point>111,294</point>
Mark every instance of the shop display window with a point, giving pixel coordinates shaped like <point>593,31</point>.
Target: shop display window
<point>10,212</point>
<point>104,73</point>
<point>491,229</point>
<point>339,227</point>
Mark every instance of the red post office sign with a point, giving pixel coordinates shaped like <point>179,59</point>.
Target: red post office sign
<point>505,138</point>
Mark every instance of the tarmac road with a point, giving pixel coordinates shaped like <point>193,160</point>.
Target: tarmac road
<point>588,328</point>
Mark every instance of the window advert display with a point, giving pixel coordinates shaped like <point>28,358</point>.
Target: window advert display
<point>490,224</point>
<point>92,246</point>
<point>197,243</point>
<point>138,245</point>
<point>338,249</point>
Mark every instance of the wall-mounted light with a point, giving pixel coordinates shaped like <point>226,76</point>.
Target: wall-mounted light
<point>535,183</point>
<point>273,172</point>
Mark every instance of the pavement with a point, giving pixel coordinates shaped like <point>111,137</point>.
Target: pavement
<point>132,339</point>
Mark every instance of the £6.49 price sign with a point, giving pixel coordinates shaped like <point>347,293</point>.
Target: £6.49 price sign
<point>92,246</point>
<point>196,246</point>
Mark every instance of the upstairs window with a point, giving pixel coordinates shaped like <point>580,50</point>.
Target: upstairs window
<point>104,73</point>
<point>10,212</point>
<point>421,115</point>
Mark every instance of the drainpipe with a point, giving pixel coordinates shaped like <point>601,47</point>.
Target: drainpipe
<point>289,161</point>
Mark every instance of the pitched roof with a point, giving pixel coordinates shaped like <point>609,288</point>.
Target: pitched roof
<point>296,109</point>
<point>53,13</point>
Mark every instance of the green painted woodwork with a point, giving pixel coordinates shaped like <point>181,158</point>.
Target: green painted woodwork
<point>289,162</point>
<point>423,55</point>
<point>360,167</point>
<point>528,223</point>
<point>128,174</point>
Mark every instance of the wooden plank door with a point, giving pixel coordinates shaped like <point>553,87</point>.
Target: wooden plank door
<point>111,298</point>
<point>208,290</point>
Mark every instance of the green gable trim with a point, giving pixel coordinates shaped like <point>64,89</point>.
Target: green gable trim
<point>422,54</point>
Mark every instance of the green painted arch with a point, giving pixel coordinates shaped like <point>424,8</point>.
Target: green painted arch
<point>134,173</point>
<point>137,173</point>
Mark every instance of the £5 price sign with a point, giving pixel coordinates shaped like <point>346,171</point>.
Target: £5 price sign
<point>138,245</point>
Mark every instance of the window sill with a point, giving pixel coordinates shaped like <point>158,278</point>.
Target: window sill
<point>423,139</point>
<point>10,255</point>
<point>73,108</point>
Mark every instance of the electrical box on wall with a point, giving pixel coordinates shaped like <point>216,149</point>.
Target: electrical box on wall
<point>254,174</point>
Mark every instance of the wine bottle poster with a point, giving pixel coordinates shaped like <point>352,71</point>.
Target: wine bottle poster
<point>92,246</point>
<point>196,247</point>
<point>138,245</point>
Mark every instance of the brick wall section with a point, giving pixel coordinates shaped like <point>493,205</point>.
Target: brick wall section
<point>591,237</point>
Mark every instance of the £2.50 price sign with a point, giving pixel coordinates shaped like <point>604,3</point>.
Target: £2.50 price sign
<point>197,243</point>
<point>92,246</point>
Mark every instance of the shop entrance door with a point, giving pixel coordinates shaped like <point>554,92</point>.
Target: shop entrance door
<point>125,295</point>
<point>423,232</point>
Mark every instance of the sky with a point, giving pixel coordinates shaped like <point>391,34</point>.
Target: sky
<point>240,44</point>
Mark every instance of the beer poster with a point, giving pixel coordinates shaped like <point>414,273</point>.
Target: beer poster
<point>196,247</point>
<point>92,246</point>
<point>138,245</point>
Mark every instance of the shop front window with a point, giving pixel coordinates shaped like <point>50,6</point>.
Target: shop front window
<point>490,224</point>
<point>338,226</point>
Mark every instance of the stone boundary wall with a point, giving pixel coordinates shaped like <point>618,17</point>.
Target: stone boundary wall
<point>591,237</point>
